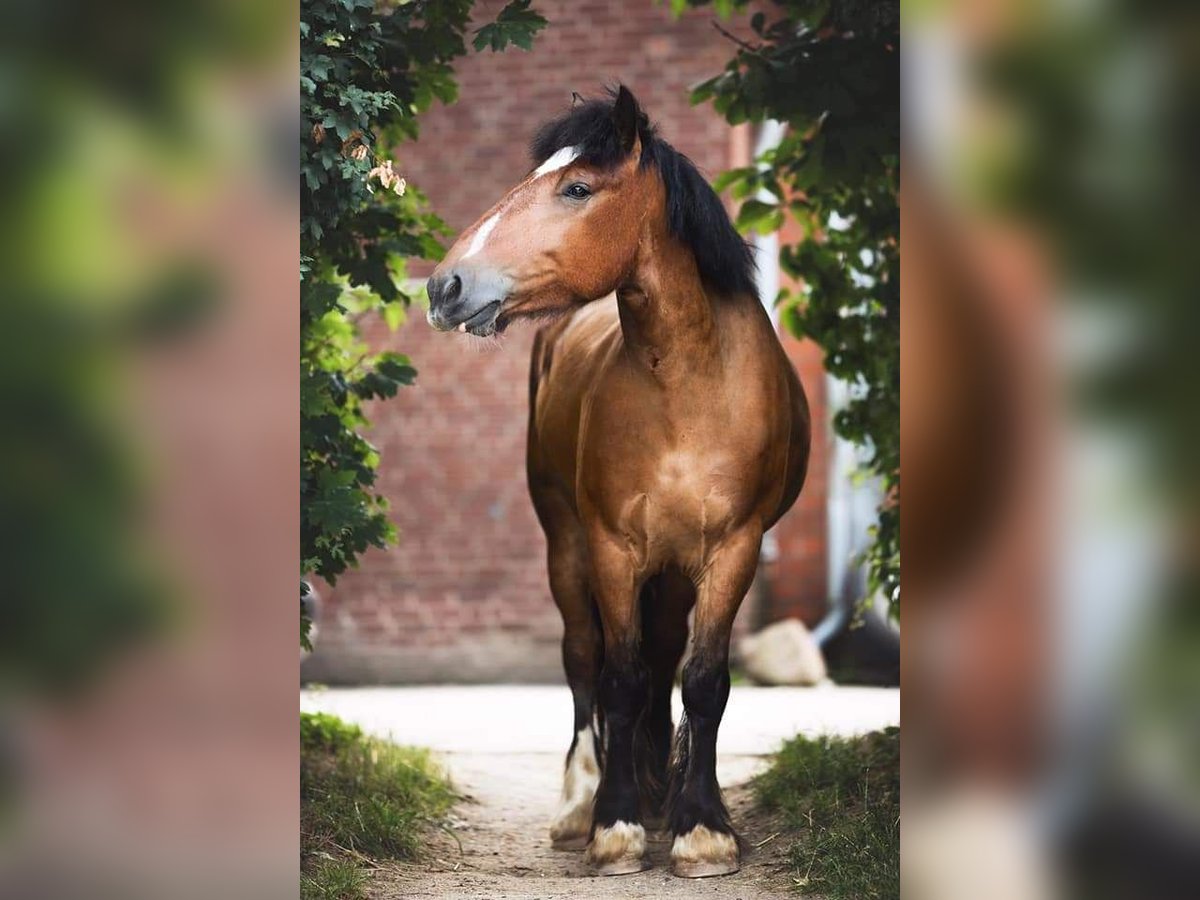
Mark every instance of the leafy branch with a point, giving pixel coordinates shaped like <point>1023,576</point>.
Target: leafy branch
<point>367,72</point>
<point>830,71</point>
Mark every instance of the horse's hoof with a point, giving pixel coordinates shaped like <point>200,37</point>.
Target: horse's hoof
<point>569,842</point>
<point>572,828</point>
<point>703,853</point>
<point>628,865</point>
<point>618,849</point>
<point>703,869</point>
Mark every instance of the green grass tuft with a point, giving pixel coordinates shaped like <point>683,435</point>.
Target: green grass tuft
<point>360,799</point>
<point>842,797</point>
<point>333,879</point>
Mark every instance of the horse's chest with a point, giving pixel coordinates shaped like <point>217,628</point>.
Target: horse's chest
<point>672,479</point>
<point>693,484</point>
<point>693,498</point>
<point>675,505</point>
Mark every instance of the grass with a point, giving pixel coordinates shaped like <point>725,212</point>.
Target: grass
<point>841,797</point>
<point>334,879</point>
<point>361,800</point>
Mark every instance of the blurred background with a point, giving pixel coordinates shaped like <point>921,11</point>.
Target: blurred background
<point>1050,678</point>
<point>148,506</point>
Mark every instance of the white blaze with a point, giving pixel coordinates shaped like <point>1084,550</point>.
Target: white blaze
<point>560,159</point>
<point>481,236</point>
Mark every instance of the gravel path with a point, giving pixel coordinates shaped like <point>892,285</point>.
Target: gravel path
<point>501,745</point>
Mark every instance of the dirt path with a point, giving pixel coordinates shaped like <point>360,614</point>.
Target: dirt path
<point>506,851</point>
<point>504,746</point>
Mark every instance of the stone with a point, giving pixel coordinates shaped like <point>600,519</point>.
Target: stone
<point>783,653</point>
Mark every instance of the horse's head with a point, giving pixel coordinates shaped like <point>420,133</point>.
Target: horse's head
<point>567,234</point>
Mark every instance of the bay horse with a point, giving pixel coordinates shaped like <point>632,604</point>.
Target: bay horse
<point>667,432</point>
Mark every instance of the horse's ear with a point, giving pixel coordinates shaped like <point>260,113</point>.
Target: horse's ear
<point>625,117</point>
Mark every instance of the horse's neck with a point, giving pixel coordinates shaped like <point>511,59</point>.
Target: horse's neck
<point>667,318</point>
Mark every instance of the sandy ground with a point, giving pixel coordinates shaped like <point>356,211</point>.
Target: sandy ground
<point>504,748</point>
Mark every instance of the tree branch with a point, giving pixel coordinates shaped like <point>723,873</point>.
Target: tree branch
<point>749,48</point>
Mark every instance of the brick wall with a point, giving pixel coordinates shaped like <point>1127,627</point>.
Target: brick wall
<point>463,597</point>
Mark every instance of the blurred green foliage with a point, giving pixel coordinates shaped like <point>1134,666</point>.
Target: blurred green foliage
<point>830,70</point>
<point>1103,104</point>
<point>99,103</point>
<point>1103,107</point>
<point>75,589</point>
<point>367,72</point>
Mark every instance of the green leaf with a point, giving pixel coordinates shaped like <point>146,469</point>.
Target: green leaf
<point>724,8</point>
<point>397,367</point>
<point>394,315</point>
<point>734,176</point>
<point>516,24</point>
<point>755,215</point>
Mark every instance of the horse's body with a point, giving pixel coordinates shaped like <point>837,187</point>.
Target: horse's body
<point>667,432</point>
<point>672,463</point>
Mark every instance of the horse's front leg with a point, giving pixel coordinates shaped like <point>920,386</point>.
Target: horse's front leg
<point>618,837</point>
<point>582,654</point>
<point>705,842</point>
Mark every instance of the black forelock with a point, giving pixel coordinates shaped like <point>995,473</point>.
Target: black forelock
<point>695,214</point>
<point>589,126</point>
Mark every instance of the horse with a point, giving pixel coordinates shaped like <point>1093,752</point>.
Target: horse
<point>667,432</point>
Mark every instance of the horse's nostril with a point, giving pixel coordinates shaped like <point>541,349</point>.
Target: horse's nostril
<point>444,289</point>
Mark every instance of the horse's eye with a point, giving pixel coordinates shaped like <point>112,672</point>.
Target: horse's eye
<point>578,191</point>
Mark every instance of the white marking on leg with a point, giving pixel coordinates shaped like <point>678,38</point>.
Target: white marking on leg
<point>580,780</point>
<point>702,844</point>
<point>620,840</point>
<point>481,236</point>
<point>583,772</point>
<point>559,160</point>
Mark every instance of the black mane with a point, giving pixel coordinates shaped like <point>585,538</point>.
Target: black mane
<point>695,213</point>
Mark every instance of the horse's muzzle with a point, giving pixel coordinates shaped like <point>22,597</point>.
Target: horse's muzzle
<point>466,300</point>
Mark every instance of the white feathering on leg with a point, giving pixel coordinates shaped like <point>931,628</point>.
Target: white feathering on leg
<point>620,840</point>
